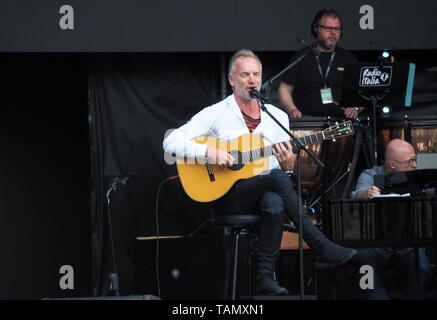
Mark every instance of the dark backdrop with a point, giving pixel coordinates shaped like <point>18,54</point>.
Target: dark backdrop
<point>135,98</point>
<point>207,25</point>
<point>45,219</point>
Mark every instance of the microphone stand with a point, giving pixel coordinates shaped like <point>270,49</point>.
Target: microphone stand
<point>113,277</point>
<point>297,147</point>
<point>266,86</point>
<point>331,186</point>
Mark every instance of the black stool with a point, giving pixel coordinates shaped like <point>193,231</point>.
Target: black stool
<point>235,226</point>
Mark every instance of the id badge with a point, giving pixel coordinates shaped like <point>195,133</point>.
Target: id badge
<point>326,95</point>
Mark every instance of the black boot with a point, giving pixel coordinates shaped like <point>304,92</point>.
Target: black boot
<point>268,247</point>
<point>267,285</point>
<point>330,252</point>
<point>335,254</point>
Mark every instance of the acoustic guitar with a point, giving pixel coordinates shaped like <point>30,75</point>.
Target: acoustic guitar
<point>204,181</point>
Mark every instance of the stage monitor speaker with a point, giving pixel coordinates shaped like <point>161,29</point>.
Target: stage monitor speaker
<point>188,267</point>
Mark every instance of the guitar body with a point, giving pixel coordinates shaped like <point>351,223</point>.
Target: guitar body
<point>205,182</point>
<point>208,182</point>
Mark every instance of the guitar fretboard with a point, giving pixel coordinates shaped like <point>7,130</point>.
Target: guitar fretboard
<point>267,151</point>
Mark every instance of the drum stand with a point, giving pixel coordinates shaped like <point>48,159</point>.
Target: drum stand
<point>297,147</point>
<point>374,99</point>
<point>370,142</point>
<point>363,145</point>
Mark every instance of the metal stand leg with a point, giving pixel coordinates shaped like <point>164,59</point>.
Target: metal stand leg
<point>234,277</point>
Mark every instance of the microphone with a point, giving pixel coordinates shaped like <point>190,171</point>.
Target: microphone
<point>120,181</point>
<point>113,185</point>
<point>316,51</point>
<point>254,94</point>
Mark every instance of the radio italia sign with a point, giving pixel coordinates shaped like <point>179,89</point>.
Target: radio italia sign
<point>376,76</point>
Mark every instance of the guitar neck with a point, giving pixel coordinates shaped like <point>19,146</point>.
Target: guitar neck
<point>267,151</point>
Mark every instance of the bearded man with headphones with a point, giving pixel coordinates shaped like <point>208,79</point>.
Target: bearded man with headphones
<point>313,87</point>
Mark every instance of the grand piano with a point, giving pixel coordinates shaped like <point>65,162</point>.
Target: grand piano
<point>387,220</point>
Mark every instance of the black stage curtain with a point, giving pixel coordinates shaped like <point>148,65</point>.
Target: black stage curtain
<point>134,99</point>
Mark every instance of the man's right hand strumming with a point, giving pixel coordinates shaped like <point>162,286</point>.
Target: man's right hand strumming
<point>221,158</point>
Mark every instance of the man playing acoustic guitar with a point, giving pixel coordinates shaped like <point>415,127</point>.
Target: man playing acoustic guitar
<point>269,194</point>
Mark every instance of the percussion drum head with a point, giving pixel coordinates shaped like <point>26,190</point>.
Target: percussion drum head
<point>421,132</point>
<point>333,153</point>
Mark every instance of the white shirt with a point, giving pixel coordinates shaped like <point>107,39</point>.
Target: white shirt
<point>224,121</point>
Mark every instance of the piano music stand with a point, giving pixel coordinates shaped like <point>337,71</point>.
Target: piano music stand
<point>415,182</point>
<point>377,83</point>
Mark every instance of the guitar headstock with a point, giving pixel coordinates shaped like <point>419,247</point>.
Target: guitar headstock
<point>339,130</point>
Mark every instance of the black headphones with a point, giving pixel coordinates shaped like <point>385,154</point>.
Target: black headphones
<point>324,12</point>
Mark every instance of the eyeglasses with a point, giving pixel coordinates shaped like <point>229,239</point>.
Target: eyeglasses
<point>330,29</point>
<point>410,162</point>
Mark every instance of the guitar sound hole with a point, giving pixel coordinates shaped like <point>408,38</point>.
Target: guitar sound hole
<point>236,167</point>
<point>238,163</point>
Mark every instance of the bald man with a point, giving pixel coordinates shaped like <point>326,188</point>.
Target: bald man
<point>399,156</point>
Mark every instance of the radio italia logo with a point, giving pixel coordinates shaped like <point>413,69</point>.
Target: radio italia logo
<point>376,76</point>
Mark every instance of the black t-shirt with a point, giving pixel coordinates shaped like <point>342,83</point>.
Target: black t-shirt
<point>308,81</point>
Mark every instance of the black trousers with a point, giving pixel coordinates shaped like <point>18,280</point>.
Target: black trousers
<point>270,196</point>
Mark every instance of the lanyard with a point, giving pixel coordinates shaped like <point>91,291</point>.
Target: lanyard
<point>324,77</point>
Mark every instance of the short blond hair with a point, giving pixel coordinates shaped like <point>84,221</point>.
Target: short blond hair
<point>242,53</point>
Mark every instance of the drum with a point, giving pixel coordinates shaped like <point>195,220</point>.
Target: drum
<point>333,153</point>
<point>420,132</point>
